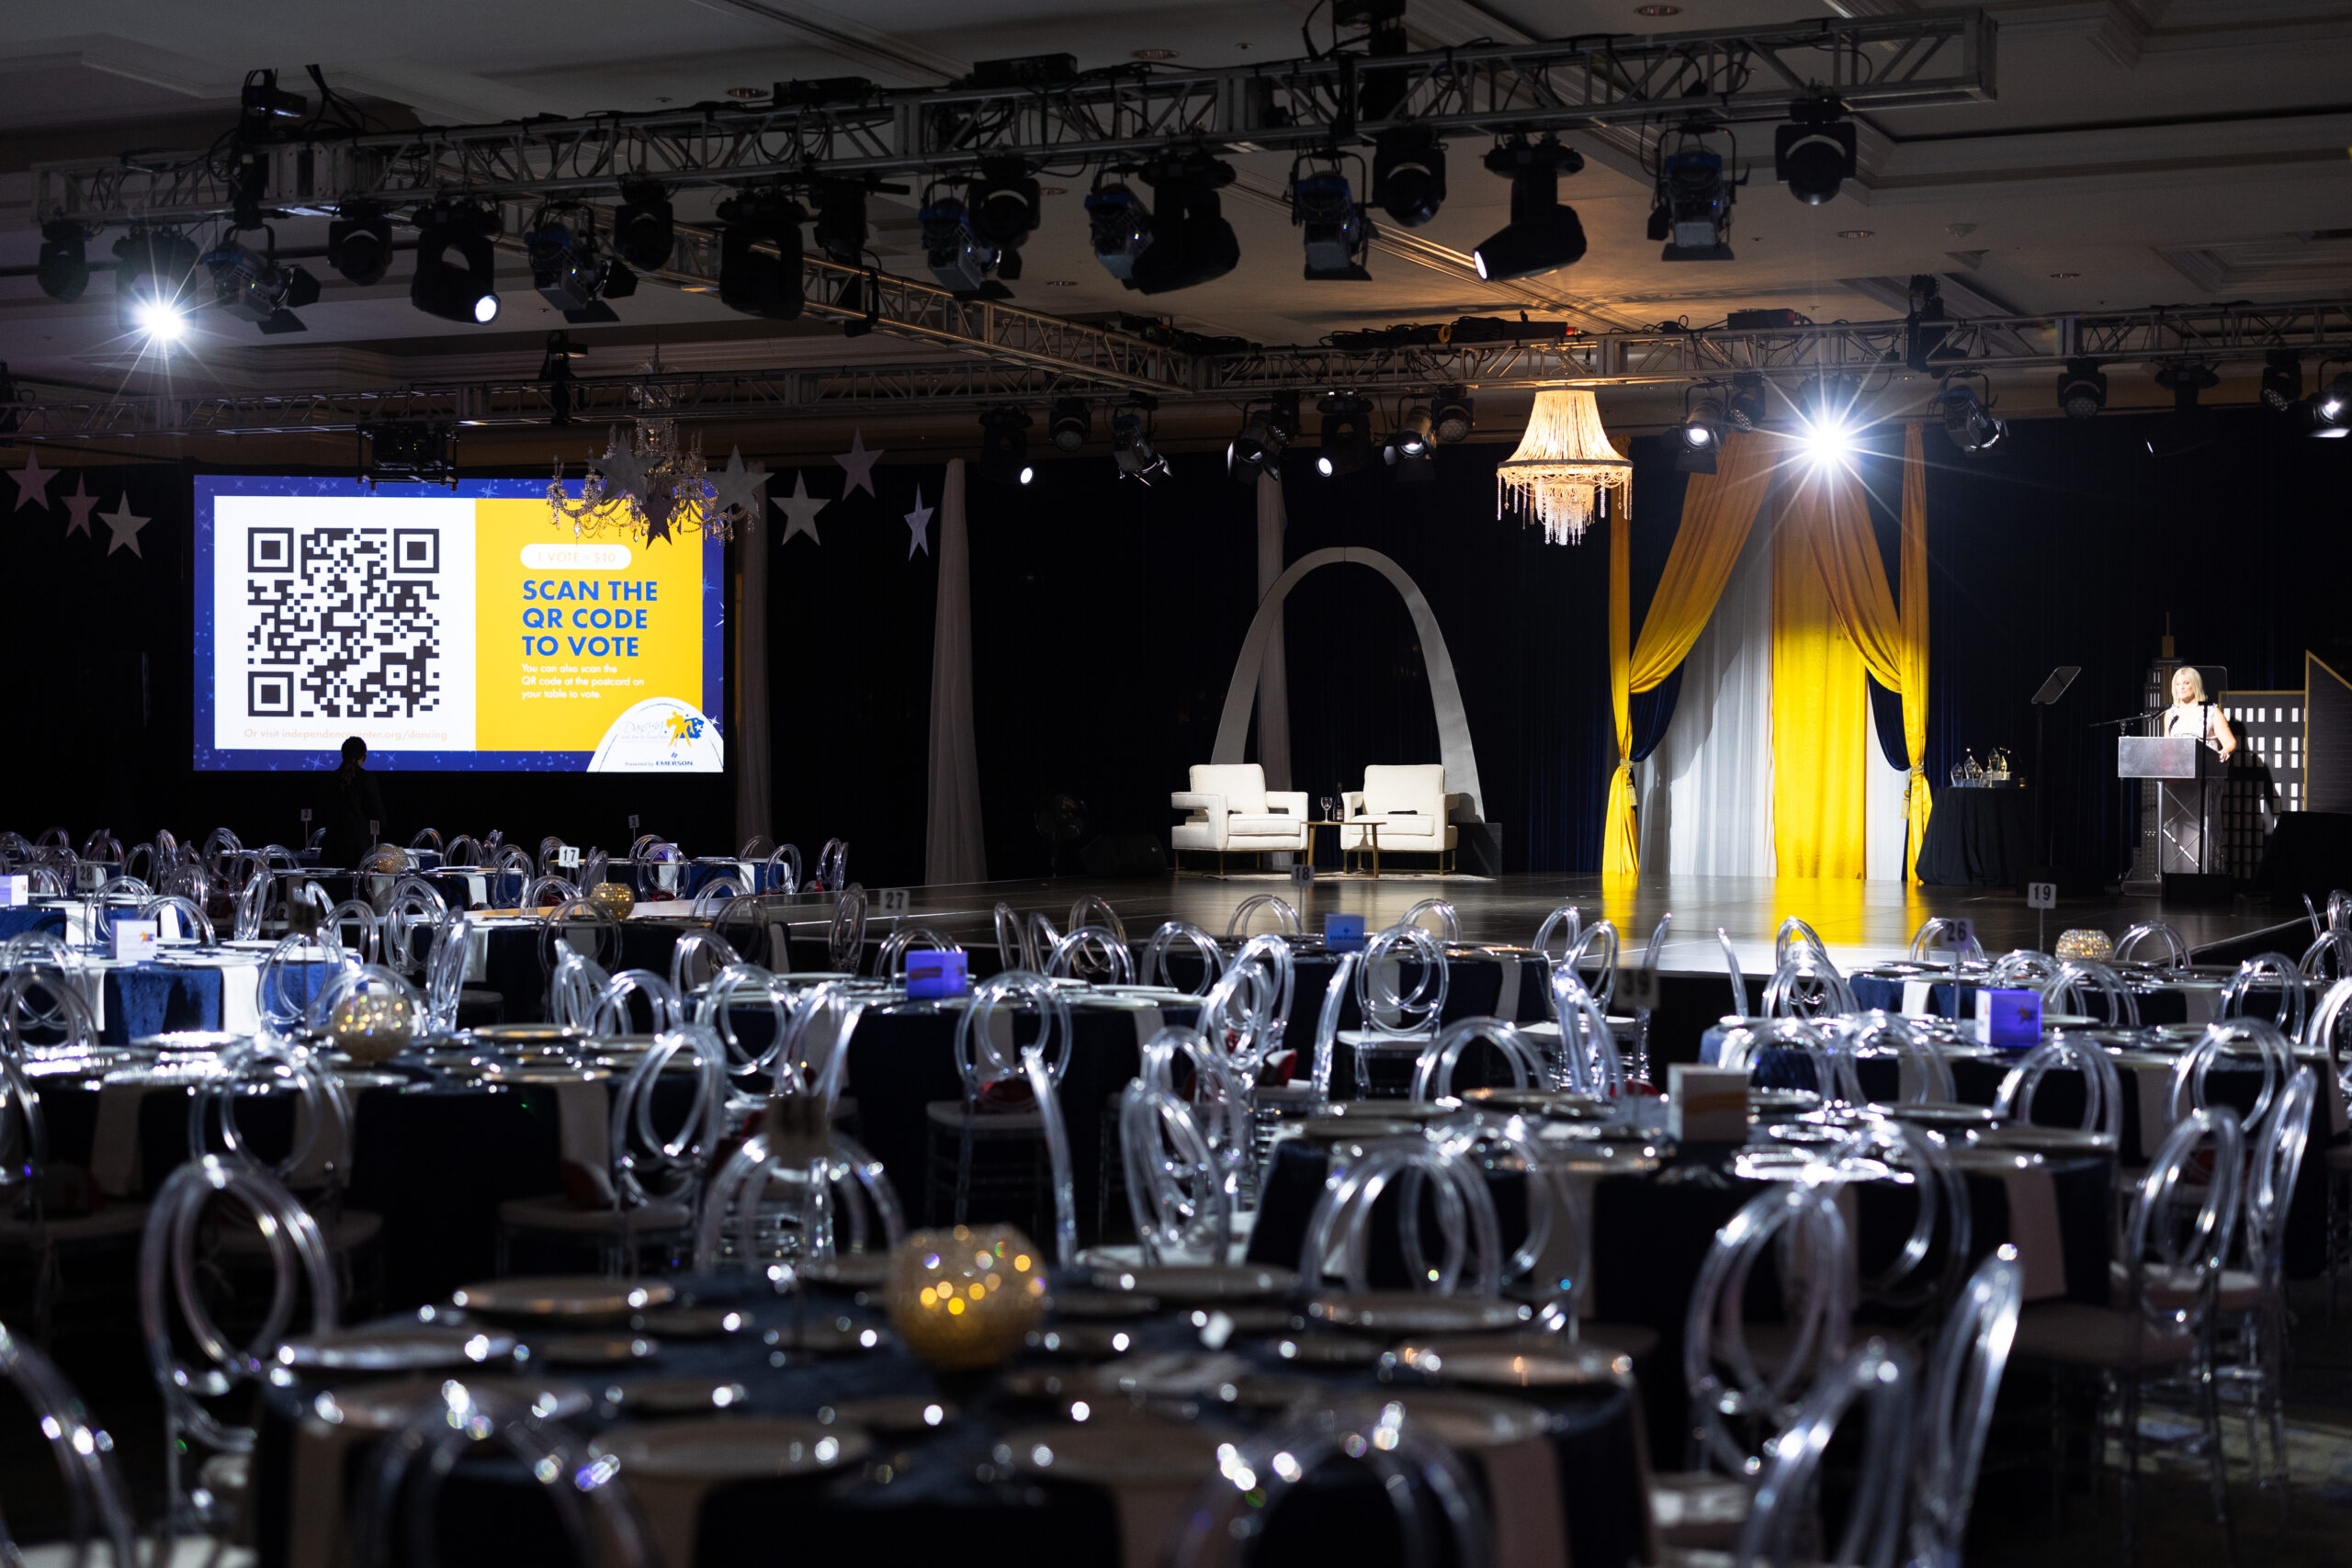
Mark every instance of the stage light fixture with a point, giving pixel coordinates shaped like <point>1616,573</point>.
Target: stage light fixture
<point>1690,210</point>
<point>1004,446</point>
<point>1543,235</point>
<point>570,276</point>
<point>1455,414</point>
<point>1121,227</point>
<point>1969,420</point>
<point>1265,434</point>
<point>644,227</point>
<point>759,254</point>
<point>2282,379</point>
<point>840,231</point>
<point>2187,427</point>
<point>64,267</point>
<point>359,243</point>
<point>152,282</point>
<point>2331,407</point>
<point>255,288</point>
<point>467,288</point>
<point>1347,435</point>
<point>2082,390</point>
<point>1004,211</point>
<point>1337,231</point>
<point>956,255</point>
<point>1701,435</point>
<point>1813,155</point>
<point>1073,423</point>
<point>1409,446</point>
<point>1191,242</point>
<point>1827,431</point>
<point>1131,448</point>
<point>1408,175</point>
<point>1747,406</point>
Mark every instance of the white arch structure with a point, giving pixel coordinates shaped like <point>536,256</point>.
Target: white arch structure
<point>1445,694</point>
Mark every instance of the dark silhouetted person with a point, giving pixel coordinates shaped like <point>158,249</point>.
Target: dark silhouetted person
<point>353,802</point>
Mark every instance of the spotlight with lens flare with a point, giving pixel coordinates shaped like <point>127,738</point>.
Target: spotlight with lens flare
<point>465,289</point>
<point>2330,408</point>
<point>154,284</point>
<point>1828,434</point>
<point>1347,435</point>
<point>1004,446</point>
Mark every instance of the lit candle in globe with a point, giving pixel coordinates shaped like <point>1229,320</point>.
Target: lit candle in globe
<point>612,899</point>
<point>373,1026</point>
<point>2093,945</point>
<point>967,1298</point>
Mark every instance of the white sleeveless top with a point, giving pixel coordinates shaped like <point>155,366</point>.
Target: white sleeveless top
<point>2195,718</point>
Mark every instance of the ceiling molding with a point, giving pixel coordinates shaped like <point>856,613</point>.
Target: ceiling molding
<point>850,39</point>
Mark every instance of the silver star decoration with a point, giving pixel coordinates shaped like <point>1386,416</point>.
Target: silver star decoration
<point>124,524</point>
<point>919,525</point>
<point>859,463</point>
<point>77,507</point>
<point>739,488</point>
<point>623,470</point>
<point>801,508</point>
<point>32,483</point>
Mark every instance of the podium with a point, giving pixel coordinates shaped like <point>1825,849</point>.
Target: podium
<point>2185,771</point>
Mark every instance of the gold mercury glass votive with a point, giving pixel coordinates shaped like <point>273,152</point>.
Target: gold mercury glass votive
<point>2093,945</point>
<point>612,899</point>
<point>967,1298</point>
<point>372,1026</point>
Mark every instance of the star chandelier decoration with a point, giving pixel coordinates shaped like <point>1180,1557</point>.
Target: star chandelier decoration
<point>651,484</point>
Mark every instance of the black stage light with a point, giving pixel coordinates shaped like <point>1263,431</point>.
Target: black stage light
<point>1455,414</point>
<point>264,100</point>
<point>1408,175</point>
<point>1347,435</point>
<point>464,289</point>
<point>1541,235</point>
<point>644,229</point>
<point>1969,420</point>
<point>1131,448</point>
<point>2082,390</point>
<point>64,267</point>
<point>1746,408</point>
<point>1073,423</point>
<point>1692,208</point>
<point>2331,407</point>
<point>1004,211</point>
<point>1408,448</point>
<point>1701,435</point>
<point>1264,435</point>
<point>1191,242</point>
<point>1004,446</point>
<point>2282,379</point>
<point>1814,155</point>
<point>1121,227</point>
<point>759,254</point>
<point>2187,427</point>
<point>570,276</point>
<point>359,243</point>
<point>555,370</point>
<point>958,256</point>
<point>1337,231</point>
<point>152,282</point>
<point>840,222</point>
<point>255,288</point>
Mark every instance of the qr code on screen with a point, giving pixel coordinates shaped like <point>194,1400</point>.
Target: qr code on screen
<point>346,623</point>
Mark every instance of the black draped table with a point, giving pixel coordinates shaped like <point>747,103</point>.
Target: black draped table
<point>1977,837</point>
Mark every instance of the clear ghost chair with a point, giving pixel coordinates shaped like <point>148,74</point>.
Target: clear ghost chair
<point>845,940</point>
<point>832,865</point>
<point>1566,920</point>
<point>1094,909</point>
<point>2329,957</point>
<point>285,988</point>
<point>573,985</point>
<point>2078,983</point>
<point>696,959</point>
<point>1177,1188</point>
<point>445,972</point>
<point>550,848</point>
<point>795,1194</point>
<point>2327,1023</point>
<point>1387,1010</point>
<point>611,1014</point>
<point>1924,1076</point>
<point>586,928</point>
<point>1273,955</point>
<point>1937,935</point>
<point>1287,920</point>
<point>2268,969</point>
<point>1920,1283</point>
<point>1154,970</point>
<point>2256,1298</point>
<point>422,834</point>
<point>2102,1085</point>
<point>322,1141</point>
<point>465,849</point>
<point>1738,979</point>
<point>890,958</point>
<point>547,893</point>
<point>1012,940</point>
<point>1734,1402</point>
<point>601,1523</point>
<point>1594,953</point>
<point>746,986</point>
<point>983,1061</point>
<point>121,896</point>
<point>1043,937</point>
<point>415,906</point>
<point>1793,932</point>
<point>510,861</point>
<point>1433,1072</point>
<point>1098,948</point>
<point>1957,1388</point>
<point>348,978</point>
<point>1423,1480</point>
<point>2022,967</point>
<point>356,918</point>
<point>2175,953</point>
<point>782,872</point>
<point>221,847</point>
<point>252,904</point>
<point>1326,1026</point>
<point>1219,1096</point>
<point>659,869</point>
<point>2235,1041</point>
<point>173,1312</point>
<point>84,1456</point>
<point>1233,1020</point>
<point>713,894</point>
<point>744,926</point>
<point>1745,1044</point>
<point>1784,1520</point>
<point>1470,1260</point>
<point>190,880</point>
<point>1807,984</point>
<point>758,847</point>
<point>1588,1060</point>
<point>63,1011</point>
<point>1449,923</point>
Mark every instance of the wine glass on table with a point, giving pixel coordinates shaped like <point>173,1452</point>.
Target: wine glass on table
<point>1327,804</point>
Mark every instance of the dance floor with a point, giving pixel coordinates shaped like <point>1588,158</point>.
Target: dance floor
<point>1859,921</point>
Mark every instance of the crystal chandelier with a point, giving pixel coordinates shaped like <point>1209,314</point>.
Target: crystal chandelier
<point>1564,468</point>
<point>646,487</point>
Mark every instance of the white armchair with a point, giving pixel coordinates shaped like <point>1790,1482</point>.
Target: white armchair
<point>1231,812</point>
<point>1414,812</point>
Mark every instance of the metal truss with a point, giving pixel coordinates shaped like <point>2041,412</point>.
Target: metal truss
<point>2211,335</point>
<point>1120,116</point>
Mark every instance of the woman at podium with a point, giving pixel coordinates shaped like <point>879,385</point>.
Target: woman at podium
<point>2193,713</point>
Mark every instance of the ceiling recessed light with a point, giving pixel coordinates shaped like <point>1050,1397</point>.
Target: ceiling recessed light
<point>1155,54</point>
<point>1059,283</point>
<point>1657,10</point>
<point>1053,190</point>
<point>1856,234</point>
<point>2066,274</point>
<point>747,92</point>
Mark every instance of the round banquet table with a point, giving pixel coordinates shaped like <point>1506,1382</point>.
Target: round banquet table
<point>1977,837</point>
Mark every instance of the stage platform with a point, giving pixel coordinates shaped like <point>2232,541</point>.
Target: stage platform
<point>1860,921</point>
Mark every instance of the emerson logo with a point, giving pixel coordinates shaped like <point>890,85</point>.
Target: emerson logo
<point>660,735</point>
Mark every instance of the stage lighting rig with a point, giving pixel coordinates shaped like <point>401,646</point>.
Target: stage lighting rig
<point>1408,175</point>
<point>1699,436</point>
<point>1191,242</point>
<point>2082,390</point>
<point>1337,233</point>
<point>408,453</point>
<point>644,227</point>
<point>1813,155</point>
<point>1408,448</point>
<point>840,231</point>
<point>956,255</point>
<point>1747,407</point>
<point>256,288</point>
<point>1969,420</point>
<point>1455,414</point>
<point>1004,211</point>
<point>555,370</point>
<point>1004,446</point>
<point>467,288</point>
<point>359,243</point>
<point>1543,235</point>
<point>153,270</point>
<point>1827,430</point>
<point>2331,406</point>
<point>568,273</point>
<point>1120,226</point>
<point>1073,424</point>
<point>2282,379</point>
<point>1264,435</point>
<point>759,254</point>
<point>1690,210</point>
<point>263,101</point>
<point>1924,327</point>
<point>1347,435</point>
<point>2187,427</point>
<point>64,267</point>
<point>1131,446</point>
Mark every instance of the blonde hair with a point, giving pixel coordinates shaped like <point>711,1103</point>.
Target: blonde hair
<point>2195,680</point>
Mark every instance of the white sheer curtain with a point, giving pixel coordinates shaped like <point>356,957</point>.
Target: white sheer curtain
<point>1706,800</point>
<point>952,846</point>
<point>1883,842</point>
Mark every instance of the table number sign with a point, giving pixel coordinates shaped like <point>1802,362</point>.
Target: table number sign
<point>1343,933</point>
<point>568,856</point>
<point>88,877</point>
<point>135,939</point>
<point>15,889</point>
<point>890,902</point>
